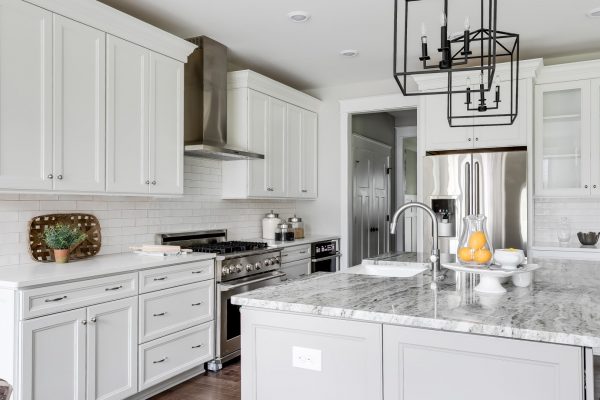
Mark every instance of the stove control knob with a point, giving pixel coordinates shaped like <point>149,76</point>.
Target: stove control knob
<point>239,268</point>
<point>258,265</point>
<point>276,260</point>
<point>249,267</point>
<point>225,271</point>
<point>269,262</point>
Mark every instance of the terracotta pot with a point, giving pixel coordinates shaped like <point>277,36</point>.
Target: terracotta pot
<point>61,256</point>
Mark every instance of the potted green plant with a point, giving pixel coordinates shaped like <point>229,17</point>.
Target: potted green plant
<point>62,238</point>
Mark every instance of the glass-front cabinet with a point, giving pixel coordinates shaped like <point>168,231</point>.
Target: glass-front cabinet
<point>563,140</point>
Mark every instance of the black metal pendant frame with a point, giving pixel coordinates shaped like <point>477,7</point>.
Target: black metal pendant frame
<point>455,57</point>
<point>508,45</point>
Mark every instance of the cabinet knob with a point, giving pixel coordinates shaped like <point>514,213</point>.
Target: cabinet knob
<point>93,319</point>
<point>586,186</point>
<point>59,177</point>
<point>84,322</point>
<point>477,139</point>
<point>50,176</point>
<point>147,182</point>
<point>594,186</point>
<point>154,182</point>
<point>469,139</point>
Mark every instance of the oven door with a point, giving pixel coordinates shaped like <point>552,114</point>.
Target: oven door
<point>228,314</point>
<point>326,264</point>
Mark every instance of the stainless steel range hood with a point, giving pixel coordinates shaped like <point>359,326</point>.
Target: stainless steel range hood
<point>205,117</point>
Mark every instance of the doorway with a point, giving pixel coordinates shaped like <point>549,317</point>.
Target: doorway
<point>383,177</point>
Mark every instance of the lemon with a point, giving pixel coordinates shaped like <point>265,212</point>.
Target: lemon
<point>477,240</point>
<point>465,254</point>
<point>482,256</point>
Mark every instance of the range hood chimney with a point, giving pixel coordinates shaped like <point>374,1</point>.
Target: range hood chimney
<point>205,117</point>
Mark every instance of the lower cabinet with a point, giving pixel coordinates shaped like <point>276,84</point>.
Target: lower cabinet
<point>296,269</point>
<point>420,364</point>
<point>89,353</point>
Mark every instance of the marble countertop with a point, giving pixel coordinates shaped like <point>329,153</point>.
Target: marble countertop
<point>561,306</point>
<point>35,274</point>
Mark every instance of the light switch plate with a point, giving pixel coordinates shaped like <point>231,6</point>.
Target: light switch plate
<point>305,358</point>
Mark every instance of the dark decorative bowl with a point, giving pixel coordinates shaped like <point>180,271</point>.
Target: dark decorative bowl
<point>588,239</point>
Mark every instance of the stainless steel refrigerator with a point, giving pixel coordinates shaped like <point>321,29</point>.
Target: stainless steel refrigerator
<point>489,183</point>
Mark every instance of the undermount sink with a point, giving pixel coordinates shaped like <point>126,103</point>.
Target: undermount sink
<point>391,271</point>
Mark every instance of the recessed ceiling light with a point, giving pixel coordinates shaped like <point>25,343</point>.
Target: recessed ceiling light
<point>349,53</point>
<point>299,16</point>
<point>595,13</point>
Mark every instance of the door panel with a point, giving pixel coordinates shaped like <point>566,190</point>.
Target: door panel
<point>309,154</point>
<point>166,125</point>
<point>53,359</point>
<point>112,350</point>
<point>595,137</point>
<point>258,115</point>
<point>79,106</point>
<point>25,96</point>
<point>440,136</point>
<point>127,117</point>
<point>275,155</point>
<point>295,151</point>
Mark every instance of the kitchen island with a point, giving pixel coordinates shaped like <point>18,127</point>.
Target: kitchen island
<point>366,337</point>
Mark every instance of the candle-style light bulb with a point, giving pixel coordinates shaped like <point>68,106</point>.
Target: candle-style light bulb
<point>443,20</point>
<point>423,29</point>
<point>467,24</point>
<point>424,56</point>
<point>468,82</point>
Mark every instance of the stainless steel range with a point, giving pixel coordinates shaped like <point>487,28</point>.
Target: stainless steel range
<point>240,267</point>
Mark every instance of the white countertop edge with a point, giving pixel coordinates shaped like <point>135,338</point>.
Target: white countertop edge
<point>309,239</point>
<point>38,274</point>
<point>427,323</point>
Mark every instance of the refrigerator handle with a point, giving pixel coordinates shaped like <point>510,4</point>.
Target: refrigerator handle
<point>468,188</point>
<point>477,188</point>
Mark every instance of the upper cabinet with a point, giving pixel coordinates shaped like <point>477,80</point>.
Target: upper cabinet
<point>281,123</point>
<point>83,111</point>
<point>439,136</point>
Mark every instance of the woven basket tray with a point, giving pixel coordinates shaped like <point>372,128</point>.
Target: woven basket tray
<point>86,222</point>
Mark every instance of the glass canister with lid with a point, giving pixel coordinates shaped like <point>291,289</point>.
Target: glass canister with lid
<point>297,226</point>
<point>269,225</point>
<point>284,232</point>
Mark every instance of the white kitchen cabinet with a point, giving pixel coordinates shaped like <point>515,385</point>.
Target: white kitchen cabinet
<point>345,357</point>
<point>166,125</point>
<point>279,122</point>
<point>438,133</point>
<point>79,106</point>
<point>127,100</point>
<point>53,358</point>
<point>595,137</point>
<point>474,367</point>
<point>112,350</point>
<point>301,152</point>
<point>563,139</point>
<point>25,96</point>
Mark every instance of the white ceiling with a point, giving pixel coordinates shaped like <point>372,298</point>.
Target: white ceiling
<point>260,36</point>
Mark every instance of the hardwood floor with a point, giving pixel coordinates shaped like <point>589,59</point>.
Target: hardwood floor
<point>222,385</point>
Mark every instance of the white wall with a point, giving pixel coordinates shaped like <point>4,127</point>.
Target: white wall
<point>126,221</point>
<point>323,215</point>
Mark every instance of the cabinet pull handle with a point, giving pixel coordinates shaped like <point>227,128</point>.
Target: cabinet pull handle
<point>55,299</point>
<point>284,255</point>
<point>113,288</point>
<point>59,177</point>
<point>197,346</point>
<point>93,319</point>
<point>197,304</point>
<point>198,272</point>
<point>50,176</point>
<point>159,314</point>
<point>304,252</point>
<point>304,190</point>
<point>162,278</point>
<point>160,361</point>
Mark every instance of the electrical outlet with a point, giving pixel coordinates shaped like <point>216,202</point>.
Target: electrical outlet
<point>306,358</point>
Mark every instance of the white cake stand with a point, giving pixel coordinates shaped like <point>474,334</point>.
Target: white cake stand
<point>490,275</point>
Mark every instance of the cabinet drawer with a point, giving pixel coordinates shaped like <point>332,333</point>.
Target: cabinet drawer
<point>68,296</point>
<point>296,269</point>
<point>295,253</point>
<point>171,355</point>
<point>171,310</point>
<point>175,275</point>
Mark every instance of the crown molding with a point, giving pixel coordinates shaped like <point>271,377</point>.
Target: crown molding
<point>570,72</point>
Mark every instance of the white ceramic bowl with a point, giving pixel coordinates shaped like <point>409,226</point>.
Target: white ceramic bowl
<point>522,280</point>
<point>509,258</point>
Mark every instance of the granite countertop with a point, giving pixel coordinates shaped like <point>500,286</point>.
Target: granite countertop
<point>562,305</point>
<point>36,273</point>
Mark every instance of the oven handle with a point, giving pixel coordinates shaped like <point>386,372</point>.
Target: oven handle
<point>336,255</point>
<point>227,288</point>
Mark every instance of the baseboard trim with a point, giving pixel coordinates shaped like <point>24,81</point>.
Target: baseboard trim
<point>169,383</point>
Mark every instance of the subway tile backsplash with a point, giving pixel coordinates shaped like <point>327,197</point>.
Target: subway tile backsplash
<point>128,221</point>
<point>583,216</point>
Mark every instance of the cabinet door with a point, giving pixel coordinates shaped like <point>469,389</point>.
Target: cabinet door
<point>112,350</point>
<point>25,96</point>
<point>296,269</point>
<point>79,106</point>
<point>595,137</point>
<point>258,115</point>
<point>309,155</point>
<point>438,134</point>
<point>505,135</point>
<point>166,125</point>
<point>474,367</point>
<point>294,126</point>
<point>52,364</point>
<point>275,156</point>
<point>127,117</point>
<point>562,139</point>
